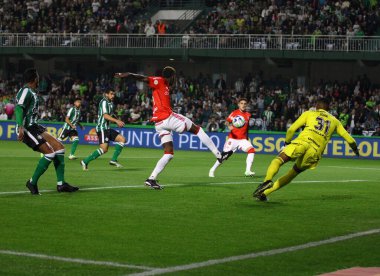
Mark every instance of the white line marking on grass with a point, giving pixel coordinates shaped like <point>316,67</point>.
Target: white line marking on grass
<point>73,260</point>
<point>353,168</point>
<point>183,184</point>
<point>172,269</point>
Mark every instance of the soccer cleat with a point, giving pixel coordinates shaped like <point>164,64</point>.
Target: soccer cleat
<point>116,164</point>
<point>249,173</point>
<point>225,155</point>
<point>261,197</point>
<point>84,165</point>
<point>211,174</point>
<point>66,187</point>
<point>72,157</point>
<point>153,184</point>
<point>32,188</point>
<point>262,187</point>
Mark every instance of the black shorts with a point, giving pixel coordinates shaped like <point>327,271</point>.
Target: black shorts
<point>68,133</point>
<point>33,137</point>
<point>105,136</point>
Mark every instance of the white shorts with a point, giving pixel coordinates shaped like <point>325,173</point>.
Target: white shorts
<point>175,122</point>
<point>237,144</point>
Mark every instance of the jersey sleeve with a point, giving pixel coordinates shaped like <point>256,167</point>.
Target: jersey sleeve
<point>104,107</point>
<point>300,122</point>
<point>69,112</point>
<point>344,134</point>
<point>23,97</point>
<point>153,82</point>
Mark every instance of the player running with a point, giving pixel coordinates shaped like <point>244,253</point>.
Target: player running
<point>238,139</point>
<point>167,121</point>
<point>307,149</point>
<point>36,137</point>
<point>105,133</point>
<point>70,127</point>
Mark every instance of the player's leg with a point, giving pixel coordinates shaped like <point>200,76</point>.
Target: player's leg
<point>75,141</point>
<point>119,144</point>
<point>34,140</point>
<point>229,146</point>
<point>246,146</point>
<point>167,143</point>
<point>59,163</point>
<point>283,180</point>
<point>103,148</point>
<point>272,170</point>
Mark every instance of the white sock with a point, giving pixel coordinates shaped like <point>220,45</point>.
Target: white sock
<point>160,166</point>
<point>208,142</point>
<point>216,165</point>
<point>249,161</point>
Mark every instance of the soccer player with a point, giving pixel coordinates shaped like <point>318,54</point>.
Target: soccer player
<point>307,149</point>
<point>105,133</point>
<point>35,136</point>
<point>70,127</point>
<point>167,121</point>
<point>238,138</point>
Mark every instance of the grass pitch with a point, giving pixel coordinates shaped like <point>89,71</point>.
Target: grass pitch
<point>116,226</point>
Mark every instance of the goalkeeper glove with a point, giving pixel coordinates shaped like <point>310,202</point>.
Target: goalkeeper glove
<point>354,148</point>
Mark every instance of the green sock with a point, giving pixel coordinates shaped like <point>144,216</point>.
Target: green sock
<point>93,156</point>
<point>118,149</point>
<point>59,164</point>
<point>42,166</point>
<point>74,146</point>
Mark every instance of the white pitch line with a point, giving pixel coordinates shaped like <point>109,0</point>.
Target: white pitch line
<point>172,269</point>
<point>354,168</point>
<point>73,260</point>
<point>182,184</point>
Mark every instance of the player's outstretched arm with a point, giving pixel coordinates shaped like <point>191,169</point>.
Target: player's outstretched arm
<point>137,77</point>
<point>300,122</point>
<point>348,138</point>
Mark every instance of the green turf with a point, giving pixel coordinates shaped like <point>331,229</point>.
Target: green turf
<point>194,219</point>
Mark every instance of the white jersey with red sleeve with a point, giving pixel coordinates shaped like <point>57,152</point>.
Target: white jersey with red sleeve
<point>161,98</point>
<point>239,133</point>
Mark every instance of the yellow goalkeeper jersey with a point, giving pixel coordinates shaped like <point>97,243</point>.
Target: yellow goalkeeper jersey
<point>318,125</point>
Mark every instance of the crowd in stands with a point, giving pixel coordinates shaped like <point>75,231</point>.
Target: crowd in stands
<point>274,104</point>
<point>323,17</point>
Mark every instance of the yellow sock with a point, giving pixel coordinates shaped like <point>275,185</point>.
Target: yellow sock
<point>273,168</point>
<point>281,182</point>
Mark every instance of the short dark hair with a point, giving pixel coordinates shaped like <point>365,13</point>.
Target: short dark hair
<point>108,90</point>
<point>30,75</point>
<point>243,99</point>
<point>77,99</point>
<point>168,72</point>
<point>323,103</point>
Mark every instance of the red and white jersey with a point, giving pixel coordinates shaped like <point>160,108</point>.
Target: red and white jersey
<point>161,98</point>
<point>239,133</point>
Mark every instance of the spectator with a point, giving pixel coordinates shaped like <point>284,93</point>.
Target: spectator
<point>10,109</point>
<point>3,115</point>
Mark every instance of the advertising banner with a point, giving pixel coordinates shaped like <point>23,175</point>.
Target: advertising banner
<point>267,143</point>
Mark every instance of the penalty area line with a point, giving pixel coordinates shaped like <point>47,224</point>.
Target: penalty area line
<point>191,266</point>
<point>73,260</point>
<point>183,184</point>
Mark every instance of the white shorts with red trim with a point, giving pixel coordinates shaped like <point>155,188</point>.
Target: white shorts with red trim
<point>237,144</point>
<point>175,122</point>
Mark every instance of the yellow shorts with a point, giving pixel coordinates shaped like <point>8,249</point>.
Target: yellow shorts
<point>305,156</point>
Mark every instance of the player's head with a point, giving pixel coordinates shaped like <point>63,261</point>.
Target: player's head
<point>77,102</point>
<point>242,104</point>
<point>169,74</point>
<point>109,94</point>
<point>31,77</point>
<point>322,104</point>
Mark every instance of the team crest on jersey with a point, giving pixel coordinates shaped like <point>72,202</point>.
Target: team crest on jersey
<point>106,139</point>
<point>155,82</point>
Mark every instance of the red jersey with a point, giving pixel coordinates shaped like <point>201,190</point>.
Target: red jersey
<point>161,98</point>
<point>239,133</point>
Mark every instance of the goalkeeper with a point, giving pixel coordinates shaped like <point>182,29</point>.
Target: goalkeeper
<point>306,150</point>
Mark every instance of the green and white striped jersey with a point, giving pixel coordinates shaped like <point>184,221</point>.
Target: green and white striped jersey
<point>105,107</point>
<point>74,115</point>
<point>28,100</point>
